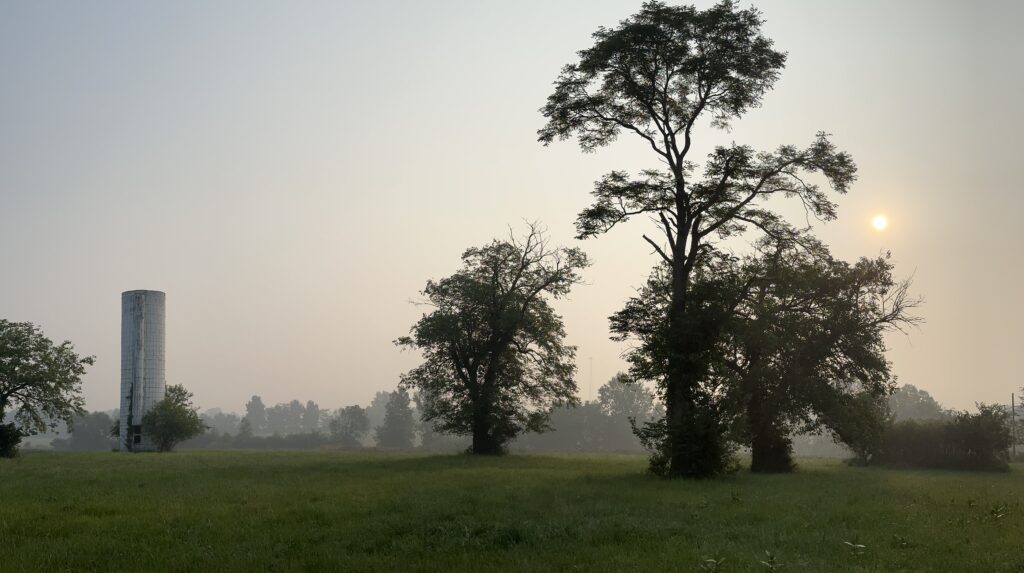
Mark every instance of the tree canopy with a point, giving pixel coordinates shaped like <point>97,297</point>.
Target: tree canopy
<point>806,334</point>
<point>173,419</point>
<point>495,362</point>
<point>40,382</point>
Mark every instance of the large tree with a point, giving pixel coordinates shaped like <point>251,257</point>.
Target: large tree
<point>40,382</point>
<point>657,76</point>
<point>495,361</point>
<point>806,337</point>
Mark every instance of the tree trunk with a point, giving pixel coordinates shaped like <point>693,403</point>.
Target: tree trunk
<point>693,443</point>
<point>771,449</point>
<point>484,441</point>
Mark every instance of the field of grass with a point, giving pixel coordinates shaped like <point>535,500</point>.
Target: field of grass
<point>322,511</point>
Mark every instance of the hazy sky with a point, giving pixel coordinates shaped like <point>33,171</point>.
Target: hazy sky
<point>291,173</point>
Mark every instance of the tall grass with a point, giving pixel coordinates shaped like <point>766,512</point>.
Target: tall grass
<point>321,511</point>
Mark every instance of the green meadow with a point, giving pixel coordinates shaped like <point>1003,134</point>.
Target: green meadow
<point>329,511</point>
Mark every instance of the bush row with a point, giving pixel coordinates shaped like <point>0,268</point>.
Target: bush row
<point>967,441</point>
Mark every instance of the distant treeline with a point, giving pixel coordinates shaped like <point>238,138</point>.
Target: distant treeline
<point>922,432</point>
<point>392,421</point>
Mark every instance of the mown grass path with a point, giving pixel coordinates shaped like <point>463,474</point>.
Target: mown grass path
<point>324,511</point>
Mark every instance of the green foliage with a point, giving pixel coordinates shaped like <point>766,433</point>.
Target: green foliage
<point>967,441</point>
<point>348,511</point>
<point>399,426</point>
<point>173,419</point>
<point>495,363</point>
<point>348,426</point>
<point>858,421</point>
<point>40,382</point>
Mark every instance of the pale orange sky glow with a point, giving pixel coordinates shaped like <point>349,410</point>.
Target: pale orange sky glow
<point>292,174</point>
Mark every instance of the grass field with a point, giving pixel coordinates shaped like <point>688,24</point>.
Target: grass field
<point>320,511</point>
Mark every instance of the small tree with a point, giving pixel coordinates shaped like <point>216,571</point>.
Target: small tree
<point>399,426</point>
<point>349,426</point>
<point>495,362</point>
<point>173,419</point>
<point>40,382</point>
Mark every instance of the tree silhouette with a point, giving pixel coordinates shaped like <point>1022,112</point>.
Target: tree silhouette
<point>807,335</point>
<point>494,358</point>
<point>655,76</point>
<point>256,413</point>
<point>398,427</point>
<point>349,425</point>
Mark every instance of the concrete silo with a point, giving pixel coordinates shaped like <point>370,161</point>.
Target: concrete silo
<point>142,363</point>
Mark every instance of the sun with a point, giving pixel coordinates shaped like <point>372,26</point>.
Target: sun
<point>880,222</point>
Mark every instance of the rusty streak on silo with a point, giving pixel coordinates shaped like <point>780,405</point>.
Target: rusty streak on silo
<point>142,363</point>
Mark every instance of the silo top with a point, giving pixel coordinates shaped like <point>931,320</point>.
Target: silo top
<point>143,292</point>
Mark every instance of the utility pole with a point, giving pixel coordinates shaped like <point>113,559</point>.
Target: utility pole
<point>1013,423</point>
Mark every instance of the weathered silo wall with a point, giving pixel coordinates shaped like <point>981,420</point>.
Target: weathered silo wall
<point>142,363</point>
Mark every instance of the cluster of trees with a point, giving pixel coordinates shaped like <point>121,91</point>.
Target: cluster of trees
<point>389,422</point>
<point>602,425</point>
<point>282,419</point>
<point>743,350</point>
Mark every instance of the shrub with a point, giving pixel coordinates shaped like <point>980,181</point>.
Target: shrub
<point>10,437</point>
<point>978,441</point>
<point>173,419</point>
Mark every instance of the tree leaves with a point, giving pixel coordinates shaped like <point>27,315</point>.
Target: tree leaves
<point>41,381</point>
